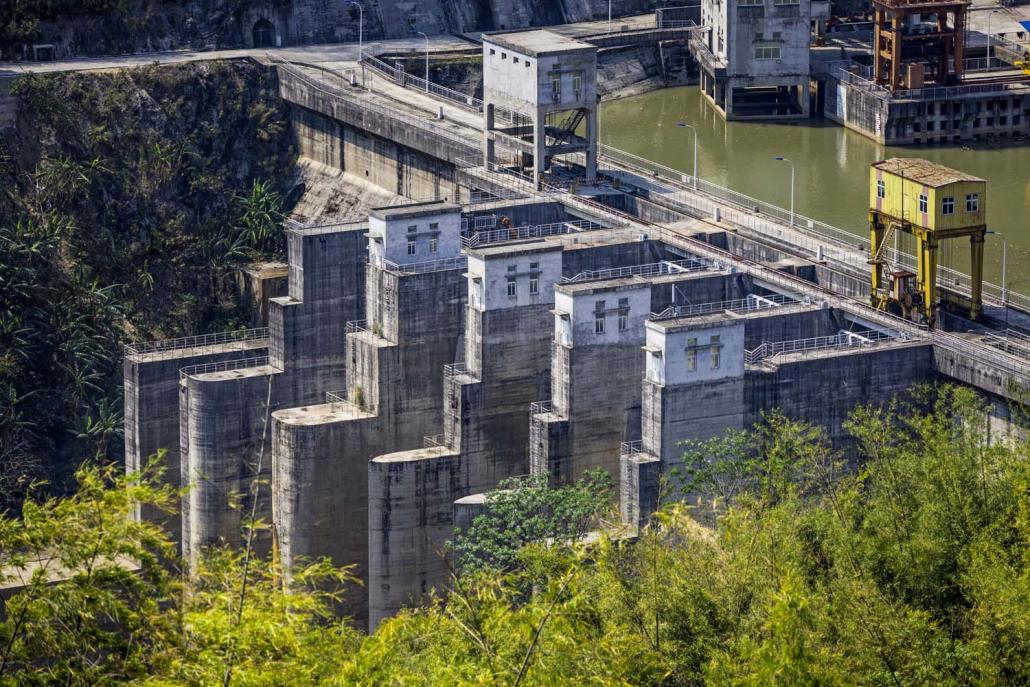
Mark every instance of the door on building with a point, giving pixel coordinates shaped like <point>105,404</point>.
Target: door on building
<point>264,34</point>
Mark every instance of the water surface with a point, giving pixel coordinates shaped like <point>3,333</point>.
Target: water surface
<point>831,167</point>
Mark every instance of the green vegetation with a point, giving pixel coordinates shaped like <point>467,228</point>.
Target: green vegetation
<point>129,200</point>
<point>110,27</point>
<point>523,510</point>
<point>914,570</point>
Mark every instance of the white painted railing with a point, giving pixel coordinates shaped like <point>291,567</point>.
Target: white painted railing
<point>223,366</point>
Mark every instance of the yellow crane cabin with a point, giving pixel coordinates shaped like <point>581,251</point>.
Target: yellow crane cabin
<point>933,203</point>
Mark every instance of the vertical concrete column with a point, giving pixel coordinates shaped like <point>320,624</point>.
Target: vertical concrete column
<point>594,143</point>
<point>539,145</point>
<point>489,147</point>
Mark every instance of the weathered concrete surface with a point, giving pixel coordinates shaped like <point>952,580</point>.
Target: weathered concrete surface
<point>151,411</point>
<point>411,498</point>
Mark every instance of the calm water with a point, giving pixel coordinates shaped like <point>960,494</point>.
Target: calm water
<point>831,163</point>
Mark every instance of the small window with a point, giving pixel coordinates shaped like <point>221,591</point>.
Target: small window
<point>923,203</point>
<point>948,205</point>
<point>434,226</point>
<point>511,286</point>
<point>881,188</point>
<point>623,323</point>
<point>432,245</point>
<point>534,265</point>
<point>527,64</point>
<point>750,3</point>
<point>767,52</point>
<point>598,306</point>
<point>504,55</point>
<point>492,51</point>
<point>411,247</point>
<point>972,202</point>
<point>512,268</point>
<point>713,353</point>
<point>691,355</point>
<point>515,60</point>
<point>599,324</point>
<point>777,35</point>
<point>412,228</point>
<point>623,302</point>
<point>534,286</point>
<point>577,83</point>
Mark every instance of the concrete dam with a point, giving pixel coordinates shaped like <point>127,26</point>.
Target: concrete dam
<point>531,302</point>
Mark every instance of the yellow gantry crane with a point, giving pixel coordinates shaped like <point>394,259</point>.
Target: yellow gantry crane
<point>933,203</point>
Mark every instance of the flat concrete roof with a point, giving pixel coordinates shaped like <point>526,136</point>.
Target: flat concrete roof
<point>408,210</point>
<point>514,248</point>
<point>321,414</point>
<point>724,317</point>
<point>416,455</point>
<point>538,42</point>
<point>588,287</point>
<point>923,171</point>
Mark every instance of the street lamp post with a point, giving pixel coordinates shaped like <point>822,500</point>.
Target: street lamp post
<point>1004,263</point>
<point>361,28</point>
<point>427,58</point>
<point>783,159</point>
<point>683,124</point>
<point>609,16</point>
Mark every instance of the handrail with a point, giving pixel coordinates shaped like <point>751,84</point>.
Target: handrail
<point>540,407</point>
<point>749,304</point>
<point>842,339</point>
<point>480,238</point>
<point>440,265</point>
<point>333,397</point>
<point>341,98</point>
<point>454,370</point>
<point>355,326</point>
<point>222,366</point>
<point>198,341</point>
<point>434,441</point>
<point>684,266</point>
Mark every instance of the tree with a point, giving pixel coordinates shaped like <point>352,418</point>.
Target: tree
<point>523,510</point>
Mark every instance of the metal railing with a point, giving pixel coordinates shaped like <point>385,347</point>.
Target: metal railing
<point>652,269</point>
<point>454,370</point>
<point>1010,341</point>
<point>402,78</point>
<point>434,441</point>
<point>198,341</point>
<point>482,238</point>
<point>843,339</point>
<point>749,304</point>
<point>540,407</point>
<point>336,397</point>
<point>463,100</point>
<point>1013,366</point>
<point>925,94</point>
<point>629,448</point>
<point>223,366</point>
<point>355,326</point>
<point>440,265</point>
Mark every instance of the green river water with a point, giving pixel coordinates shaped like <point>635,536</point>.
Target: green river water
<point>831,167</point>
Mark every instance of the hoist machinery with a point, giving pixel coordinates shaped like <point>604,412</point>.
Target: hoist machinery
<point>933,204</point>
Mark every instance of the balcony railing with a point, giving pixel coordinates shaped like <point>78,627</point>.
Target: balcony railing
<point>843,339</point>
<point>653,269</point>
<point>199,341</point>
<point>455,263</point>
<point>482,238</point>
<point>223,366</point>
<point>540,407</point>
<point>739,305</point>
<point>454,370</point>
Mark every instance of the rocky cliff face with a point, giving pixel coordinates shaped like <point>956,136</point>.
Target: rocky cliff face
<point>124,26</point>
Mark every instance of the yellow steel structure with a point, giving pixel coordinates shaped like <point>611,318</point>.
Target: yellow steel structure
<point>933,203</point>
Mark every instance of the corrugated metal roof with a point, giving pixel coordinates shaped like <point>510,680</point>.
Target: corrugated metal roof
<point>923,171</point>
